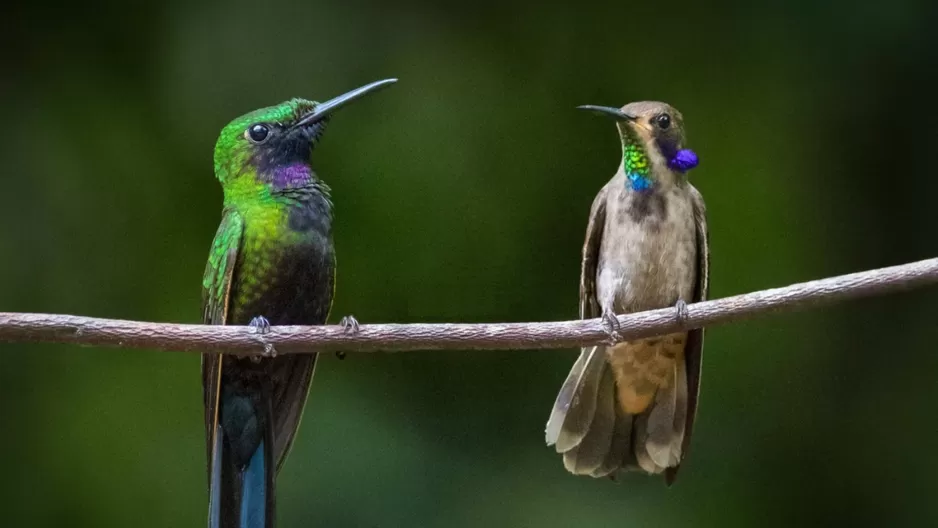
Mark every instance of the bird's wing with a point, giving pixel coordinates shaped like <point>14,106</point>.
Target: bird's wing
<point>294,375</point>
<point>216,288</point>
<point>693,351</point>
<point>589,303</point>
<point>573,411</point>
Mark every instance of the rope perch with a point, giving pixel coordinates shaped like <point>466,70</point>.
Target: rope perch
<point>243,340</point>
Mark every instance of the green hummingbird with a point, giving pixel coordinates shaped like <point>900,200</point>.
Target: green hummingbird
<point>631,405</point>
<point>272,262</point>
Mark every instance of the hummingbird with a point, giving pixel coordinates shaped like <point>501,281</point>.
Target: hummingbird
<point>631,405</point>
<point>272,262</point>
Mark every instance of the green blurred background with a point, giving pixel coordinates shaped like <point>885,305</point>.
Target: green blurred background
<point>462,195</point>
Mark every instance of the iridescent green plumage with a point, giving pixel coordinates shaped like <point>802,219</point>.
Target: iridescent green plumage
<point>635,161</point>
<point>634,156</point>
<point>272,260</point>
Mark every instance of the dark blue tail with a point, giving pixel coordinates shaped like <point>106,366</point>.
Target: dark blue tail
<point>242,468</point>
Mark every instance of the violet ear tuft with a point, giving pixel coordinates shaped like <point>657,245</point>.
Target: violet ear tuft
<point>684,160</point>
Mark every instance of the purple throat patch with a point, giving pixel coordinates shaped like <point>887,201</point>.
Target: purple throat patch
<point>684,160</point>
<point>294,175</point>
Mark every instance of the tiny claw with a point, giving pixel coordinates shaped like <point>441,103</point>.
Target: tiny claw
<point>611,326</point>
<point>682,313</point>
<point>269,352</point>
<point>350,324</point>
<point>260,324</point>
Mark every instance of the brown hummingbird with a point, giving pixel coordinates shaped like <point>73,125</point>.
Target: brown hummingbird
<point>631,405</point>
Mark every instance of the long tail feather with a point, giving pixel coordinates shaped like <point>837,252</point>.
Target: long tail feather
<point>590,453</point>
<point>573,410</point>
<point>254,490</point>
<point>243,469</point>
<point>214,501</point>
<point>598,435</point>
<point>620,452</point>
<point>661,423</point>
<point>680,414</point>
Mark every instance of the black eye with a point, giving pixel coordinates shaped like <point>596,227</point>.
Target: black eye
<point>258,133</point>
<point>663,121</point>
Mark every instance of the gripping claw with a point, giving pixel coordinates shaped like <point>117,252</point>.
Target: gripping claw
<point>611,326</point>
<point>351,326</point>
<point>260,324</point>
<point>682,313</point>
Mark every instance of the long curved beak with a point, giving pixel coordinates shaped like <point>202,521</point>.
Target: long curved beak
<point>323,110</point>
<point>619,115</point>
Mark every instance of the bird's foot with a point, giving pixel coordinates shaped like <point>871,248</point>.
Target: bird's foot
<point>260,325</point>
<point>350,326</point>
<point>269,351</point>
<point>611,326</point>
<point>681,307</point>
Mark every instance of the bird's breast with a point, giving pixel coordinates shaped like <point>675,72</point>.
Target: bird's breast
<point>284,274</point>
<point>649,249</point>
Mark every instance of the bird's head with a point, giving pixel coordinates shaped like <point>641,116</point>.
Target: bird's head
<point>271,147</point>
<point>651,130</point>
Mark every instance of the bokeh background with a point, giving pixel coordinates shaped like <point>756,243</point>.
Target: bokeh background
<point>462,195</point>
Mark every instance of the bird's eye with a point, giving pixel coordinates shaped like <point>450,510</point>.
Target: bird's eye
<point>663,121</point>
<point>257,133</point>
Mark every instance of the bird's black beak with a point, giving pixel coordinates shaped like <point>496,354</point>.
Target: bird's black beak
<point>619,115</point>
<point>323,110</point>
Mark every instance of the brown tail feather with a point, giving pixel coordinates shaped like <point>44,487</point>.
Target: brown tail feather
<point>598,436</point>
